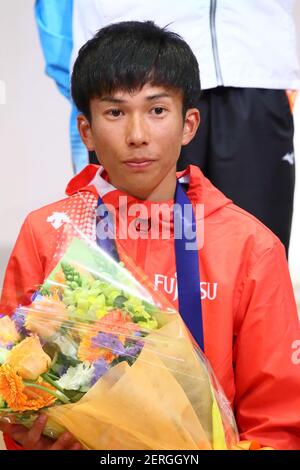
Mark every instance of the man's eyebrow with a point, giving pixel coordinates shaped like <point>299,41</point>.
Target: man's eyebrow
<point>111,99</point>
<point>158,96</point>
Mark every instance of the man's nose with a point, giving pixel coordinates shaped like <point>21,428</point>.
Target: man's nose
<point>137,132</point>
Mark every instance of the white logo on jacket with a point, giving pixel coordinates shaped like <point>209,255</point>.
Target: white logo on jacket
<point>209,290</point>
<point>57,219</point>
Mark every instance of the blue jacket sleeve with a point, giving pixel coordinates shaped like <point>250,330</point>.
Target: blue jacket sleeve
<point>54,21</point>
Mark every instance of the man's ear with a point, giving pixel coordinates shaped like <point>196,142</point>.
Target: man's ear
<point>191,124</point>
<point>85,131</point>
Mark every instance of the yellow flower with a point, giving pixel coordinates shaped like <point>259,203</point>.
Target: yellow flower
<point>8,331</point>
<point>45,316</point>
<point>28,358</point>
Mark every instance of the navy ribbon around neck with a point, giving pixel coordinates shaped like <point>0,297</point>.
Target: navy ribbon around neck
<point>187,262</point>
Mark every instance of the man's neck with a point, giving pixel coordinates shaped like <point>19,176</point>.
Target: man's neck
<point>164,191</point>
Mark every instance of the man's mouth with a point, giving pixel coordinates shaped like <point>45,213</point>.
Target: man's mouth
<point>139,163</point>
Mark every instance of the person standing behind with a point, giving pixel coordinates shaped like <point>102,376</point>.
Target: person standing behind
<point>246,52</point>
<point>54,23</point>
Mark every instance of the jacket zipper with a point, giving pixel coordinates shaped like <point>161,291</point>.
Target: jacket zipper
<point>213,8</point>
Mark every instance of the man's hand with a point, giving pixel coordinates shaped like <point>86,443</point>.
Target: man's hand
<point>32,439</point>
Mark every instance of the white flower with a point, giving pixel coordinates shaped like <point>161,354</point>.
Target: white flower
<point>77,378</point>
<point>66,345</point>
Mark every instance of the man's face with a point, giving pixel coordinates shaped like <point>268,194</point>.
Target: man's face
<point>137,138</point>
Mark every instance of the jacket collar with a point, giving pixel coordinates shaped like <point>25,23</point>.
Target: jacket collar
<point>94,179</point>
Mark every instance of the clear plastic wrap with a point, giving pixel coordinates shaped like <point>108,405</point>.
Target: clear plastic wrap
<point>105,356</point>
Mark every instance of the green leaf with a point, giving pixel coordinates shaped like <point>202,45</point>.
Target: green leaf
<point>119,301</point>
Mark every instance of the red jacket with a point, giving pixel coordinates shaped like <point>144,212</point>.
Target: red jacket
<point>251,326</point>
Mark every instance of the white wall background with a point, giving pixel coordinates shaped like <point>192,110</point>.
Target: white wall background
<point>34,146</point>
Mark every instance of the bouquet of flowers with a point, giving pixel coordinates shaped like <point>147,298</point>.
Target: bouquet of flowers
<point>108,359</point>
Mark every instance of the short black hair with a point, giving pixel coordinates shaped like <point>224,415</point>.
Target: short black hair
<point>127,55</point>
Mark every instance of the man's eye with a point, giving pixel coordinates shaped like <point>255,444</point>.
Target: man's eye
<point>158,110</point>
<point>114,112</point>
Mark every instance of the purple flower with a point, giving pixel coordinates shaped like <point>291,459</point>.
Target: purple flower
<point>19,320</point>
<point>109,341</point>
<point>137,333</point>
<point>134,349</point>
<point>36,296</point>
<point>100,368</point>
<point>7,345</point>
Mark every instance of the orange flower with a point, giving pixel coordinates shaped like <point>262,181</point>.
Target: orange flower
<point>8,331</point>
<point>90,353</point>
<point>29,359</point>
<point>59,277</point>
<point>21,397</point>
<point>117,323</point>
<point>114,322</point>
<point>45,316</point>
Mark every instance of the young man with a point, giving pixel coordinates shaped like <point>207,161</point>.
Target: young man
<point>136,86</point>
